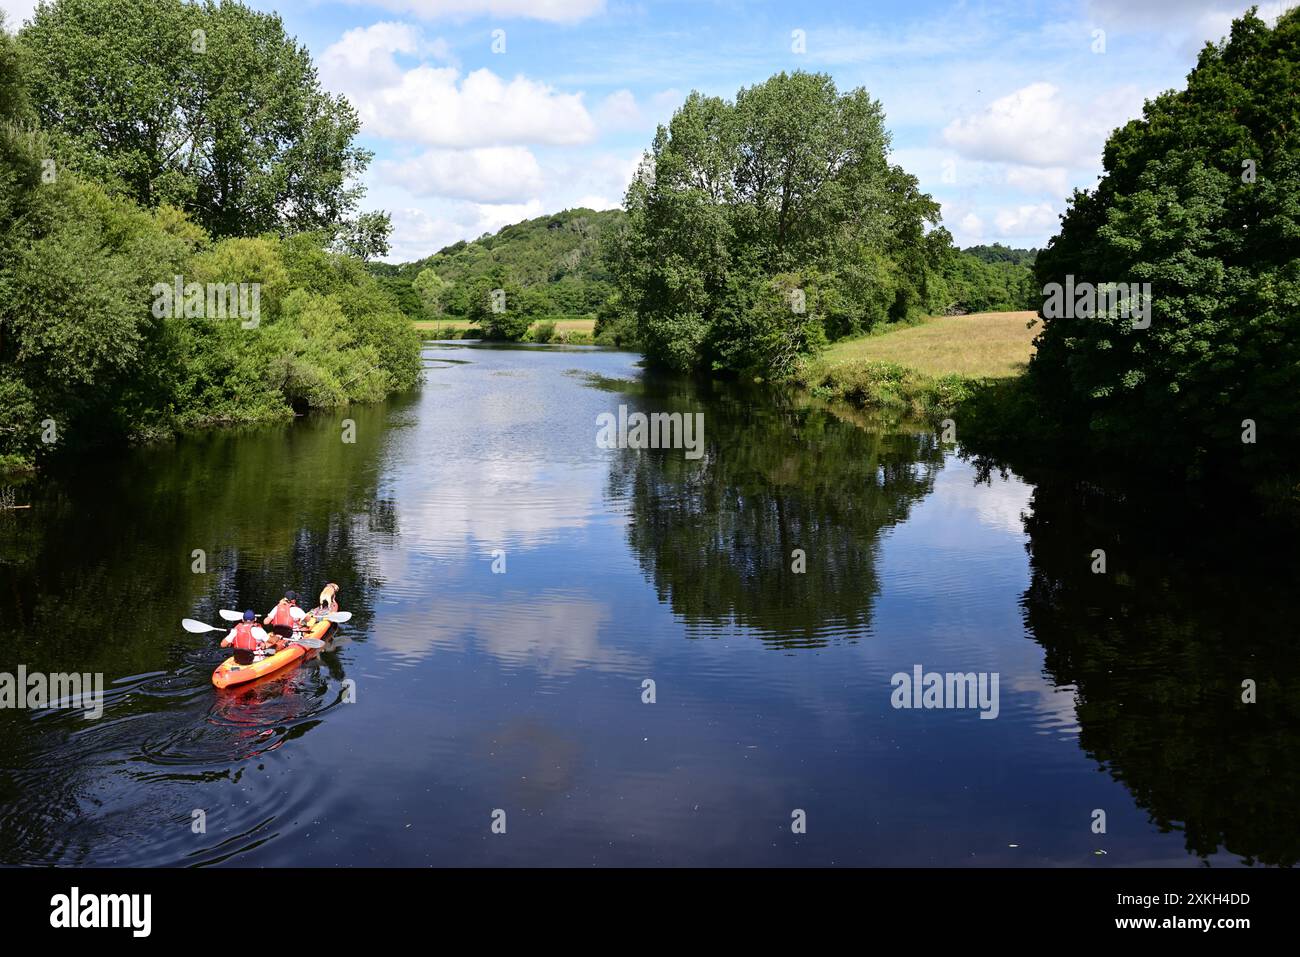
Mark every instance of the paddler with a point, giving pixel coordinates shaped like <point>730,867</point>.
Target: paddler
<point>280,619</point>
<point>247,638</point>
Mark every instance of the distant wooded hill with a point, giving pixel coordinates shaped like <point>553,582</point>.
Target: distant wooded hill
<point>556,260</point>
<point>997,253</point>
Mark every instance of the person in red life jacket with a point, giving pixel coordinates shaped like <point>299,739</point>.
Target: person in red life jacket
<point>280,619</point>
<point>246,638</point>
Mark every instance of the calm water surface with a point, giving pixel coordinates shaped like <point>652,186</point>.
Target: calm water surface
<point>522,691</point>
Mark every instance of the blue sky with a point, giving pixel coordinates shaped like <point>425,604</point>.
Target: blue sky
<point>486,112</point>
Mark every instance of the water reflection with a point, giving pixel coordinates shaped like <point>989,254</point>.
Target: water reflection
<point>514,585</point>
<point>1196,599</point>
<point>783,484</point>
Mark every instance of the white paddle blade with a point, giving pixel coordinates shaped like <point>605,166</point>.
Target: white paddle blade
<point>229,615</point>
<point>340,617</point>
<point>297,613</point>
<point>197,627</point>
<point>308,642</point>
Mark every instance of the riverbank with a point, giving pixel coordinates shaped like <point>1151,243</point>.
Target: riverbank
<point>928,370</point>
<point>966,376</point>
<point>573,332</point>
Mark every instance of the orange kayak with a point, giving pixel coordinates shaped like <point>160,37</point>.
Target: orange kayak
<point>229,673</point>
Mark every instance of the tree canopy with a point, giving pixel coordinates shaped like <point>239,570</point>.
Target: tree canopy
<point>1201,199</point>
<point>88,350</point>
<point>756,225</point>
<point>210,107</point>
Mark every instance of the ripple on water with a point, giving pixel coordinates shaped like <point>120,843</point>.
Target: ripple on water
<point>125,785</point>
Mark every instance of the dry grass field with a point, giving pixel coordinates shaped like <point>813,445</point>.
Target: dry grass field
<point>984,345</point>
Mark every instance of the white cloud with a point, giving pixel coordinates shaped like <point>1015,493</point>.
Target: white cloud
<point>441,196</point>
<point>664,103</point>
<point>619,110</point>
<point>595,202</point>
<point>418,232</point>
<point>364,55</point>
<point>555,11</point>
<point>1037,126</point>
<point>1024,126</point>
<point>494,174</point>
<point>594,175</point>
<point>971,225</point>
<point>435,105</point>
<point>1031,219</point>
<point>1177,13</point>
<point>1185,25</point>
<point>1032,179</point>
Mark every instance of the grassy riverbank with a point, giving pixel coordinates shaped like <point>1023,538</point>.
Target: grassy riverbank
<point>562,331</point>
<point>983,345</point>
<point>928,370</point>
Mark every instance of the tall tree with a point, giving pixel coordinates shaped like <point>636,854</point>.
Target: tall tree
<point>207,106</point>
<point>751,221</point>
<point>366,237</point>
<point>1200,199</point>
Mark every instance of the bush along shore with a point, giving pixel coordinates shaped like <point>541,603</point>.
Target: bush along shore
<point>148,289</point>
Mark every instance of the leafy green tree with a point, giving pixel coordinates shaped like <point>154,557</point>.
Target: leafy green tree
<point>1201,199</point>
<point>534,302</point>
<point>615,324</point>
<point>207,106</point>
<point>14,102</point>
<point>497,308</point>
<point>88,351</point>
<point>790,178</point>
<point>367,236</point>
<point>433,292</point>
<point>987,279</point>
<point>998,253</point>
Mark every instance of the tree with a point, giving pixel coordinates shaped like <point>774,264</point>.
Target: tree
<point>207,106</point>
<point>789,181</point>
<point>433,293</point>
<point>86,358</point>
<point>497,308</point>
<point>367,236</point>
<point>1201,199</point>
<point>14,102</point>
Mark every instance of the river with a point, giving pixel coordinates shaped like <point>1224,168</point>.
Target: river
<point>563,654</point>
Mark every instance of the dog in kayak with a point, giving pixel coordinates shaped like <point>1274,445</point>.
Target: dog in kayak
<point>329,601</point>
<point>328,605</point>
